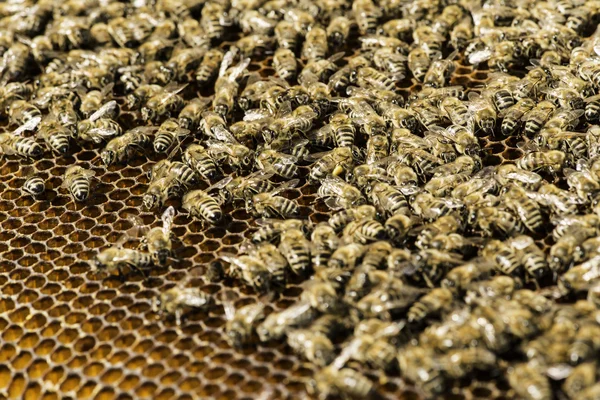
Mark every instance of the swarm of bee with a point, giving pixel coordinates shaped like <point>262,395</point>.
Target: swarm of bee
<point>431,264</point>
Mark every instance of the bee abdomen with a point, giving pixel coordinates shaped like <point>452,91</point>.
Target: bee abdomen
<point>503,100</point>
<point>80,188</point>
<point>344,135</point>
<point>163,142</point>
<point>298,257</point>
<point>210,210</point>
<point>369,231</point>
<point>34,186</point>
<point>27,147</point>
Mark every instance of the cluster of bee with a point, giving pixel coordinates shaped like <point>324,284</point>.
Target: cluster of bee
<point>431,263</point>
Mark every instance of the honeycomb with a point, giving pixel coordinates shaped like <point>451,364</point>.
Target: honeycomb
<point>71,333</point>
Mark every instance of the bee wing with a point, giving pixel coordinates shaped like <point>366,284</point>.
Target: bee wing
<point>28,126</point>
<point>223,135</point>
<point>336,56</point>
<point>257,114</point>
<point>279,82</point>
<point>239,69</point>
<point>227,300</point>
<point>219,185</point>
<point>592,98</point>
<point>521,242</point>
<point>259,176</point>
<point>167,220</point>
<point>216,147</point>
<point>107,90</point>
<point>316,156</point>
<point>347,353</point>
<point>285,186</point>
<point>105,109</point>
<point>138,228</point>
<point>558,372</point>
<point>479,56</point>
<point>98,134</point>
<point>333,203</point>
<point>528,147</point>
<point>524,176</point>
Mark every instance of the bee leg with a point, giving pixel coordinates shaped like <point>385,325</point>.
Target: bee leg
<point>178,317</point>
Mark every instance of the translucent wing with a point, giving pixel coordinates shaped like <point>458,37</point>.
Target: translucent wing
<point>285,186</point>
<point>105,109</point>
<point>227,300</point>
<point>228,60</point>
<point>138,227</point>
<point>521,242</point>
<point>28,126</point>
<point>477,57</point>
<point>219,185</point>
<point>167,220</point>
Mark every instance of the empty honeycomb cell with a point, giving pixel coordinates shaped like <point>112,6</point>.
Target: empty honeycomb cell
<point>21,360</point>
<point>129,382</point>
<point>37,369</point>
<point>86,390</point>
<point>17,386</point>
<point>45,347</point>
<point>12,333</point>
<point>77,362</point>
<point>19,315</point>
<point>7,352</point>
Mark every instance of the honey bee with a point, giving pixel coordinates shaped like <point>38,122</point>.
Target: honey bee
<point>324,241</point>
<point>434,302</point>
<point>440,71</point>
<point>580,277</point>
<point>156,241</point>
<point>214,20</point>
<point>15,63</point>
<point>55,134</point>
<point>209,67</point>
<point>287,35</point>
<point>347,256</point>
<point>204,206</point>
<point>315,46</point>
<point>455,110</point>
<point>285,64</point>
<point>458,279</point>
<point>461,34</point>
<point>142,93</point>
<point>277,323</point>
<point>271,161</point>
<point>335,162</point>
<point>124,147</point>
<point>536,159</point>
<point>314,346</point>
<point>580,380</point>
<point>34,185</point>
<point>98,128</point>
<point>537,117</point>
<point>582,182</point>
<point>565,251</point>
<point>269,205</point>
<point>13,143</point>
<point>367,15</point>
<point>227,84</point>
<point>339,194</point>
<point>461,362</point>
<point>529,382</point>
<point>483,112</point>
<point>77,180</point>
<point>342,218</point>
<point>21,112</point>
<point>232,152</point>
<point>119,258</point>
<point>191,115</point>
<point>463,139</point>
<point>178,299</point>
<point>163,104</point>
<point>255,45</point>
<point>398,226</point>
<point>418,63</point>
<point>93,100</point>
<point>514,115</point>
<point>199,160</point>
<point>296,249</point>
<point>338,31</point>
<point>242,322</point>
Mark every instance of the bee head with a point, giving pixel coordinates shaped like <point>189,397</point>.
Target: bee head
<point>108,157</point>
<point>150,200</point>
<point>133,101</point>
<point>244,103</point>
<point>353,76</point>
<point>185,123</point>
<point>161,256</point>
<point>336,39</point>
<point>148,114</point>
